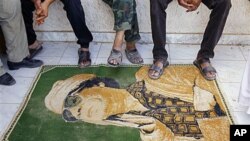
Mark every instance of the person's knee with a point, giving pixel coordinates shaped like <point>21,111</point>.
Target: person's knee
<point>225,4</point>
<point>11,9</point>
<point>71,5</point>
<point>155,6</point>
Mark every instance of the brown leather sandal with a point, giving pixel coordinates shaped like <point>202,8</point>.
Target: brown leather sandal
<point>208,69</point>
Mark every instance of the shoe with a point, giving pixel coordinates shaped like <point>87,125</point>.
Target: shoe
<point>26,63</point>
<point>7,79</point>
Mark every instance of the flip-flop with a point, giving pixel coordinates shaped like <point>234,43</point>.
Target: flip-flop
<point>157,69</point>
<point>204,71</point>
<point>133,55</point>
<point>35,51</point>
<point>115,55</point>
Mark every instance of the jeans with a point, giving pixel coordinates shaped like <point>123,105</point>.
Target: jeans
<point>75,15</point>
<point>220,10</point>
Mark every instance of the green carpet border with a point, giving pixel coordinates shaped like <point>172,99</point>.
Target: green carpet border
<point>42,70</point>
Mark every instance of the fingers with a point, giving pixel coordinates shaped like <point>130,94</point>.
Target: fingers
<point>185,4</point>
<point>38,4</point>
<point>40,20</point>
<point>40,16</point>
<point>193,8</point>
<point>190,5</point>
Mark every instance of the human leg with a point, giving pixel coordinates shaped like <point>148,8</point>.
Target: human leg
<point>213,32</point>
<point>35,46</point>
<point>13,28</point>
<point>132,36</point>
<point>158,27</point>
<point>125,24</point>
<point>76,16</point>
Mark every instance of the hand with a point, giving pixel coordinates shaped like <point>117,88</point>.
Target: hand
<point>42,13</point>
<point>37,4</point>
<point>195,3</point>
<point>186,4</point>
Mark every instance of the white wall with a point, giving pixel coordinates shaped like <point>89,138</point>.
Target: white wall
<point>181,26</point>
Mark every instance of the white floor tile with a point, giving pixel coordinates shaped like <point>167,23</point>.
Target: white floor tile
<point>245,50</point>
<point>231,93</point>
<point>53,49</point>
<point>7,112</point>
<point>145,50</point>
<point>229,71</point>
<point>70,60</point>
<point>242,118</point>
<point>100,60</point>
<point>26,72</point>
<point>72,50</point>
<point>49,60</point>
<point>16,93</point>
<point>174,61</point>
<point>105,50</point>
<point>228,53</point>
<point>183,52</point>
<point>148,61</point>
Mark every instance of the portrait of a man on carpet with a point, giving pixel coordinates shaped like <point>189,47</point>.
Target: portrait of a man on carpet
<point>178,106</point>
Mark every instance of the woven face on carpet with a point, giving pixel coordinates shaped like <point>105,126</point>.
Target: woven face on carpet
<point>103,103</point>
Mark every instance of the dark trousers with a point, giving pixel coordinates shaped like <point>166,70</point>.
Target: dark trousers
<point>75,15</point>
<point>220,10</point>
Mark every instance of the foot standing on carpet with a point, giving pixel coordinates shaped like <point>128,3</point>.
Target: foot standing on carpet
<point>219,13</point>
<point>12,24</point>
<point>126,24</point>
<point>76,17</point>
<point>244,97</point>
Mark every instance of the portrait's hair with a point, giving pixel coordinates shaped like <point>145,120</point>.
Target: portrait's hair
<point>97,81</point>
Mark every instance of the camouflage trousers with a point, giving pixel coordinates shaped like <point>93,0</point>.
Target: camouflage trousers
<point>125,18</point>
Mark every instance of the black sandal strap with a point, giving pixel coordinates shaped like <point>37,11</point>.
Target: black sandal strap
<point>203,60</point>
<point>83,56</point>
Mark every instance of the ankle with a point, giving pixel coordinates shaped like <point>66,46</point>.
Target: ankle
<point>130,45</point>
<point>117,48</point>
<point>34,45</point>
<point>84,49</point>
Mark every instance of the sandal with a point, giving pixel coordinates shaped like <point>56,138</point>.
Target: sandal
<point>208,69</point>
<point>84,59</point>
<point>157,69</point>
<point>134,56</point>
<point>116,56</point>
<point>34,51</point>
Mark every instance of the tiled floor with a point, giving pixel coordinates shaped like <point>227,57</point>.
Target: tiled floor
<point>229,61</point>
